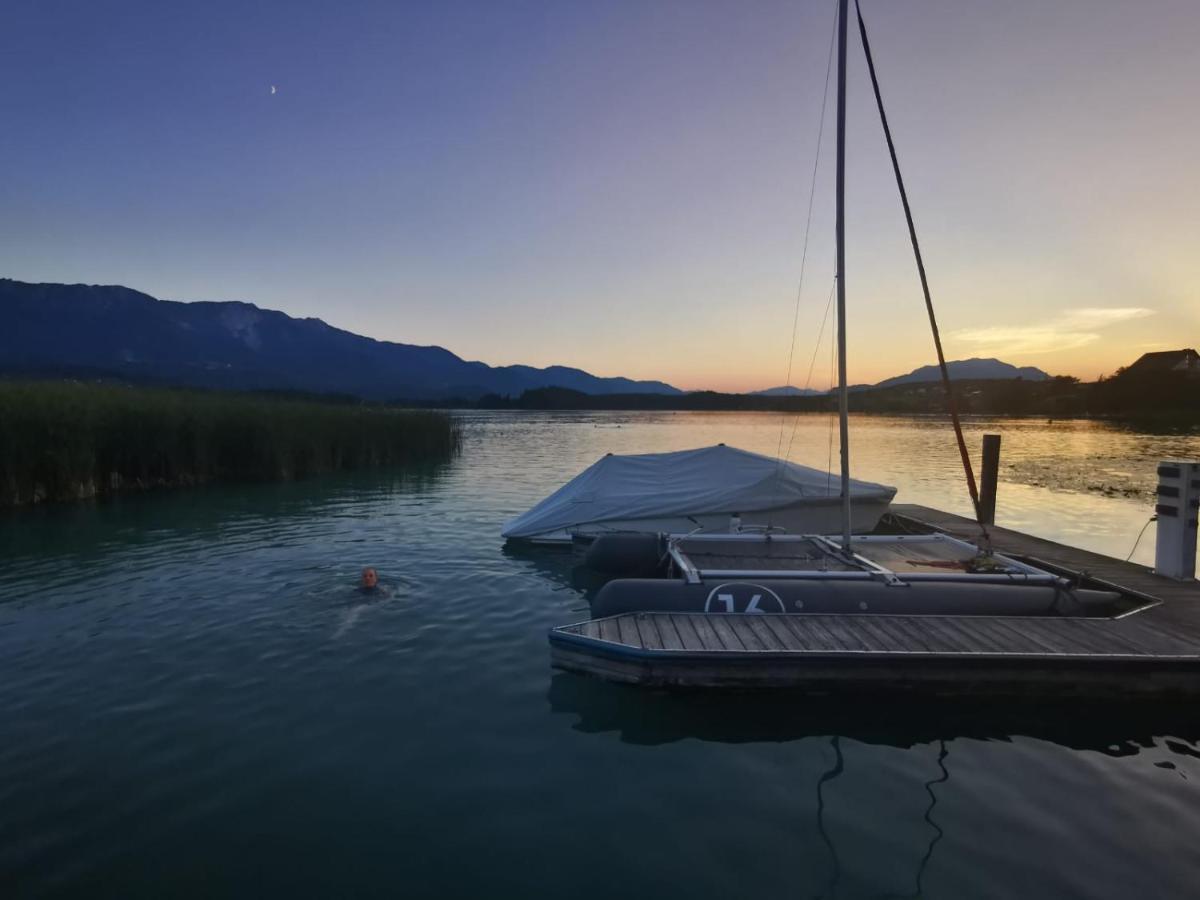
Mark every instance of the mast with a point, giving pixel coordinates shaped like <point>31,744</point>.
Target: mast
<point>843,390</point>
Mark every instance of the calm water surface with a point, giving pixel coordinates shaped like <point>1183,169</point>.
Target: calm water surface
<point>196,702</point>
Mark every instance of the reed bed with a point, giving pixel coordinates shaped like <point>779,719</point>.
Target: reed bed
<point>70,440</point>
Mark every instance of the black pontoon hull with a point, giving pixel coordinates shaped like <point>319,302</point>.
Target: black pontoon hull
<point>846,596</point>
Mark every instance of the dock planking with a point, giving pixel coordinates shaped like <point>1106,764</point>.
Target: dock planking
<point>1154,651</point>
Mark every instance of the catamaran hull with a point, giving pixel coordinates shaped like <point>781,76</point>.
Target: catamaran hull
<point>822,516</point>
<point>944,598</point>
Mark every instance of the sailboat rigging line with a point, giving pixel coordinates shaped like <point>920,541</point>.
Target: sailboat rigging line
<point>812,191</point>
<point>912,234</point>
<point>811,366</point>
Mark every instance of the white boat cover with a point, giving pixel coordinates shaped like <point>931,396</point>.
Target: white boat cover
<point>709,480</point>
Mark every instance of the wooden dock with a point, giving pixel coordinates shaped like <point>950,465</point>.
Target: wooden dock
<point>1153,651</point>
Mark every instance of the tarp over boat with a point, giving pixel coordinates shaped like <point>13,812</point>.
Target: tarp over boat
<point>709,480</point>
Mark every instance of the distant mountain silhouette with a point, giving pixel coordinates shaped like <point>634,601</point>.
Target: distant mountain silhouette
<point>960,370</point>
<point>77,329</point>
<point>787,391</point>
<point>968,370</point>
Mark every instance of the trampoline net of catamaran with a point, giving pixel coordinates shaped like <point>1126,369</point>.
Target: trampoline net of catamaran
<point>932,557</point>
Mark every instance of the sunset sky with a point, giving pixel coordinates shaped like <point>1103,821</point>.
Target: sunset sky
<point>620,185</point>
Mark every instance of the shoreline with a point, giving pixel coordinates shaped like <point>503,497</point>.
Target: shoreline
<point>1157,402</point>
<point>1186,424</point>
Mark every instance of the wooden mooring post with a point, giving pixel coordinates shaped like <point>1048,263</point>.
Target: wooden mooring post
<point>988,478</point>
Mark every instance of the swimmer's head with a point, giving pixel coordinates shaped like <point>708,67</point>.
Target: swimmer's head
<point>370,579</point>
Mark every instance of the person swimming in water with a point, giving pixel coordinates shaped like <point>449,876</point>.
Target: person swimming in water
<point>368,583</point>
<point>369,580</point>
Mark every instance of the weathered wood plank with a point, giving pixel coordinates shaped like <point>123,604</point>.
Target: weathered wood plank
<point>687,632</point>
<point>986,676</point>
<point>1041,642</point>
<point>1146,643</point>
<point>728,640</point>
<point>706,633</point>
<point>977,638</point>
<point>808,631</point>
<point>951,640</point>
<point>763,632</point>
<point>917,638</point>
<point>1157,634</point>
<point>839,631</point>
<point>609,631</point>
<point>648,631</point>
<point>883,634</point>
<point>993,637</point>
<point>1088,640</point>
<point>627,626</point>
<point>784,635</point>
<point>576,660</point>
<point>739,626</point>
<point>668,632</point>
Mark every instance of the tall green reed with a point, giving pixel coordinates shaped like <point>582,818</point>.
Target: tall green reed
<point>70,440</point>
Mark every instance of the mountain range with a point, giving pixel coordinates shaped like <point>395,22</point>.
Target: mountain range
<point>111,330</point>
<point>974,369</point>
<point>92,330</point>
<point>787,390</point>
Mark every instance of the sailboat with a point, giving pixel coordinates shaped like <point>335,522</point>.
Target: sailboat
<point>711,490</point>
<point>763,571</point>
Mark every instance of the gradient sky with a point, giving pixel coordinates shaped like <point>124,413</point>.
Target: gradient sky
<point>619,185</point>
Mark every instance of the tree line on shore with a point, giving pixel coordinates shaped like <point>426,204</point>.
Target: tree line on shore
<point>1171,397</point>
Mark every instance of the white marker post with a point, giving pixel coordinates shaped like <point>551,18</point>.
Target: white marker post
<point>1178,499</point>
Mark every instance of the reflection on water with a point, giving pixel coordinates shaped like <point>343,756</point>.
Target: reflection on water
<point>197,701</point>
<point>943,752</point>
<point>654,718</point>
<point>560,566</point>
<point>1016,762</point>
<point>838,767</point>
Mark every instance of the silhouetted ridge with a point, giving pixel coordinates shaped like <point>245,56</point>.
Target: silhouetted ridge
<point>77,329</point>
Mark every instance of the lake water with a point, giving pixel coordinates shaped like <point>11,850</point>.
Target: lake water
<point>196,702</point>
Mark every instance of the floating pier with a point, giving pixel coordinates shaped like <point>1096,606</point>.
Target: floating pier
<point>1151,650</point>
